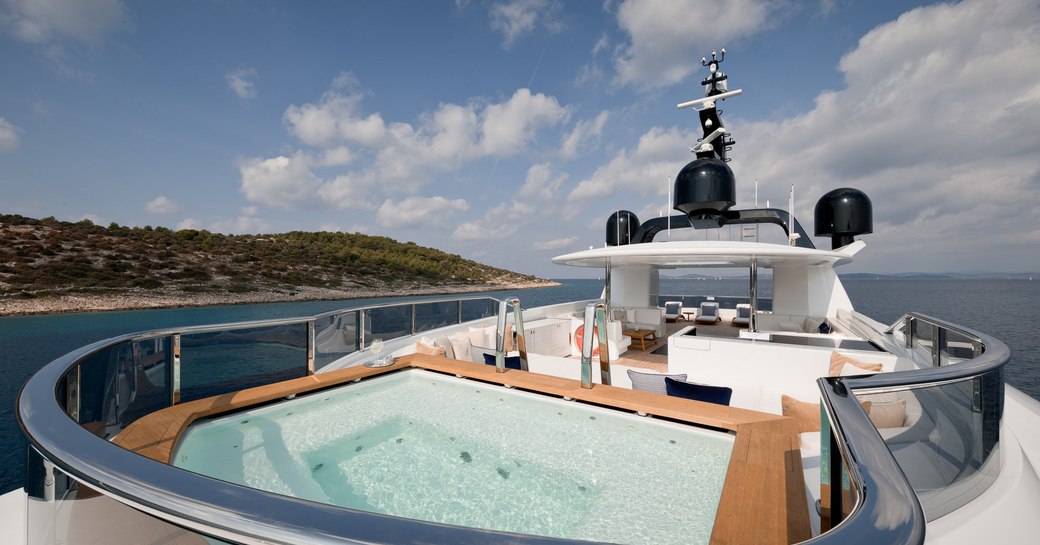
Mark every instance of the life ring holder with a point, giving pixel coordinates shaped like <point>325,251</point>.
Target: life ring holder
<point>579,334</point>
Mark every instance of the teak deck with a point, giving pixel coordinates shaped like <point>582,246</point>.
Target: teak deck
<point>763,499</point>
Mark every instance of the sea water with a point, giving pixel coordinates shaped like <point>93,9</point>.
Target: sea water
<point>429,447</point>
<point>1005,309</point>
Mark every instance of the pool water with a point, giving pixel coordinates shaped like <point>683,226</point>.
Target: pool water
<point>425,446</point>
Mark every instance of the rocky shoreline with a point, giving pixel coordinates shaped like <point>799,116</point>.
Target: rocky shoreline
<point>141,299</point>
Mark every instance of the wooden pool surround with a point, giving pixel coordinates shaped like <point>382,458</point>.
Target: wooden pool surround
<point>763,499</point>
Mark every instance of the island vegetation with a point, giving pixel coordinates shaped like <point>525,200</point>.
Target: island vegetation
<point>49,265</point>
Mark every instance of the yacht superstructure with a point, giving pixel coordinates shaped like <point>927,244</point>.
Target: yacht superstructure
<point>844,430</point>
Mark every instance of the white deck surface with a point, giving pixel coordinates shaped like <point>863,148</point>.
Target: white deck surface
<point>12,517</point>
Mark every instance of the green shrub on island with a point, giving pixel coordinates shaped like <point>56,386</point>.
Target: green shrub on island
<point>47,254</point>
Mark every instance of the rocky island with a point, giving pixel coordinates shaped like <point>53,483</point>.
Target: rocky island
<point>48,266</point>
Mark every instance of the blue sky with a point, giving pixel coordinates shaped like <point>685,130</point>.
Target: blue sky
<point>507,131</point>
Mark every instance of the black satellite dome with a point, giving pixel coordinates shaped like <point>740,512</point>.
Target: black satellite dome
<point>704,189</point>
<point>844,213</point>
<point>621,225</point>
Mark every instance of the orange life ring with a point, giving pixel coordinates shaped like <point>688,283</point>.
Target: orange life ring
<point>580,332</point>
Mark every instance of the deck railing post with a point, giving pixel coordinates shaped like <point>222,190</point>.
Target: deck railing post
<point>361,329</point>
<point>604,346</point>
<point>310,347</point>
<point>518,329</point>
<point>175,371</point>
<point>938,334</point>
<point>500,338</point>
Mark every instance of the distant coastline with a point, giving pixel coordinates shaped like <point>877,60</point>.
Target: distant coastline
<point>142,299</point>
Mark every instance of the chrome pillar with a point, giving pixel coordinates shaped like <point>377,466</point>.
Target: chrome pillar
<point>604,347</point>
<point>310,347</point>
<point>595,325</point>
<point>500,337</point>
<point>175,372</point>
<point>518,328</point>
<point>413,319</point>
<point>361,329</point>
<point>606,288</point>
<point>753,295</point>
<point>938,340</point>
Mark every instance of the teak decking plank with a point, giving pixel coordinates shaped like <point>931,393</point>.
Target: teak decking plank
<point>763,499</point>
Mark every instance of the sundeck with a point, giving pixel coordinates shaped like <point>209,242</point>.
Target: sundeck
<point>838,428</point>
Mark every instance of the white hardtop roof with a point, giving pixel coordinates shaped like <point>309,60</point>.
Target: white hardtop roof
<point>709,254</point>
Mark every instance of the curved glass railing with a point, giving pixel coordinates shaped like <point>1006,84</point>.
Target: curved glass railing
<point>930,444</point>
<point>83,487</point>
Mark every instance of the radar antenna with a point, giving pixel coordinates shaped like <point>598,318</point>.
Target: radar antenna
<point>715,141</point>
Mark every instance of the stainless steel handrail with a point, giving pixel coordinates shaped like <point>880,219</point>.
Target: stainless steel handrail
<point>329,313</point>
<point>888,510</point>
<point>202,504</point>
<point>995,355</point>
<point>595,324</point>
<point>363,310</point>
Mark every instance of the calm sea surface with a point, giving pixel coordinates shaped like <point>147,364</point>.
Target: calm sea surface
<point>1005,309</point>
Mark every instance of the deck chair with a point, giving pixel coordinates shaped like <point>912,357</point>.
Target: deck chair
<point>709,313</point>
<point>672,311</point>
<point>743,317</point>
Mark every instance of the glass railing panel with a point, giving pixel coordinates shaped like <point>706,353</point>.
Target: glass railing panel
<point>434,315</point>
<point>335,336</point>
<point>957,348</point>
<point>943,436</point>
<point>116,386</point>
<point>476,309</point>
<point>921,334</point>
<point>387,323</point>
<point>219,362</point>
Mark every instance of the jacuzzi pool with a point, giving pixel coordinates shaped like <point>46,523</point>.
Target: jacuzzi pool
<point>426,446</point>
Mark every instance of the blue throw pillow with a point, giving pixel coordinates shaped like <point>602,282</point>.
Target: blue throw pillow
<point>699,392</point>
<point>512,362</point>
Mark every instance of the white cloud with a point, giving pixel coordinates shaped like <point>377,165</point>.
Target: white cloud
<point>556,244</point>
<point>162,205</point>
<point>337,156</point>
<point>241,82</point>
<point>515,18</point>
<point>509,126</point>
<point>646,170</point>
<point>499,222</point>
<point>334,119</point>
<point>938,152</point>
<point>586,133</point>
<point>246,222</point>
<point>51,24</point>
<point>665,36</point>
<point>189,223</point>
<point>390,157</point>
<point>541,185</point>
<point>43,21</point>
<point>419,211</point>
<point>9,136</point>
<point>279,181</point>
